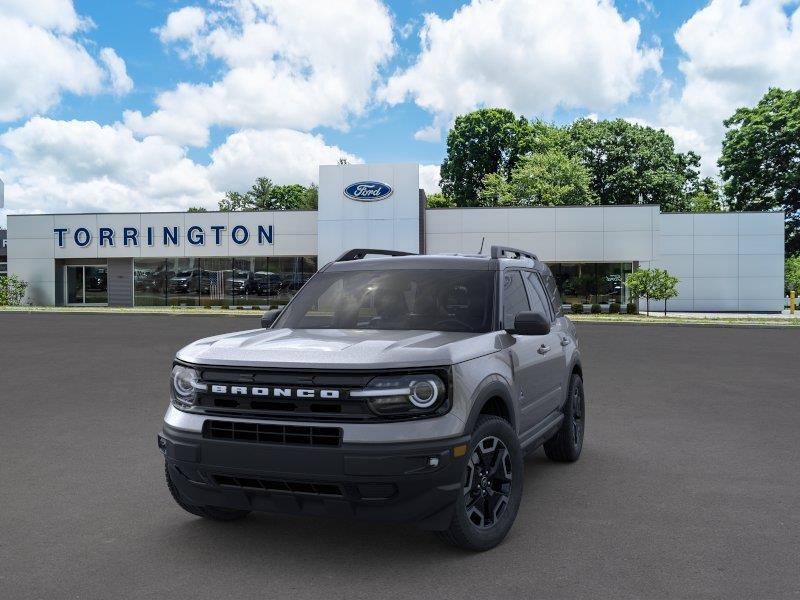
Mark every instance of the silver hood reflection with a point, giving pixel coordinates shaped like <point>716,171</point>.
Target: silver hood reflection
<point>339,348</point>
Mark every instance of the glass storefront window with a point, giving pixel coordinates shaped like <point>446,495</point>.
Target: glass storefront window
<point>150,277</point>
<point>219,281</point>
<point>183,287</point>
<point>590,283</point>
<point>95,282</point>
<point>87,284</point>
<point>74,285</point>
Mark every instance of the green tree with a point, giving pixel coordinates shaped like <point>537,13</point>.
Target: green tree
<point>197,209</point>
<point>265,195</point>
<point>260,195</point>
<point>643,283</point>
<point>311,200</point>
<point>706,197</point>
<point>760,161</point>
<point>12,290</point>
<point>234,201</point>
<point>488,140</point>
<point>288,197</point>
<point>438,200</point>
<point>792,274</point>
<point>550,178</point>
<point>495,191</point>
<point>632,164</point>
<point>666,287</point>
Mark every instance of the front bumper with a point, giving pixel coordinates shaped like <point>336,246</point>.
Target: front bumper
<point>396,482</point>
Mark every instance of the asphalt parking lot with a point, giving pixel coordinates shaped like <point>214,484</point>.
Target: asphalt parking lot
<point>688,486</point>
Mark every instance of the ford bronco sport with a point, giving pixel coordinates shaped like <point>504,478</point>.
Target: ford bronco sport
<point>400,388</point>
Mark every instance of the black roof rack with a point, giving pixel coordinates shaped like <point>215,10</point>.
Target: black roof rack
<point>359,253</point>
<point>502,251</point>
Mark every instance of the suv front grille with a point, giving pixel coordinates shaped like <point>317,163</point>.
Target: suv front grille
<point>325,395</point>
<point>265,433</point>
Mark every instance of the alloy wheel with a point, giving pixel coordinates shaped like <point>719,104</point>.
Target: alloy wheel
<point>577,415</point>
<point>487,484</point>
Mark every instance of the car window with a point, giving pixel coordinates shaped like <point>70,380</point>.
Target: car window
<point>536,294</point>
<point>551,288</point>
<point>399,299</point>
<point>515,299</point>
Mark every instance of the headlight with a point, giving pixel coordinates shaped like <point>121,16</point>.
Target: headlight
<point>185,384</point>
<point>405,395</point>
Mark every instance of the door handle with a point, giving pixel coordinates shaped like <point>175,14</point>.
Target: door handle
<point>565,341</point>
<point>543,349</point>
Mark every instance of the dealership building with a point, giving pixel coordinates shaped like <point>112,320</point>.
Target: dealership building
<point>724,261</point>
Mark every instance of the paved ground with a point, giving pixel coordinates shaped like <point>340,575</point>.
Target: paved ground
<point>688,486</point>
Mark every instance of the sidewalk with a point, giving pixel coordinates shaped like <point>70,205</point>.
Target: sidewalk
<point>712,315</point>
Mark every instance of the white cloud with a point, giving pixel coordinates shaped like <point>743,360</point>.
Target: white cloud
<point>183,25</point>
<point>283,155</point>
<point>734,51</point>
<point>429,178</point>
<point>57,15</point>
<point>528,55</point>
<point>82,166</point>
<point>121,83</point>
<point>42,57</point>
<point>287,64</point>
<point>432,133</point>
<point>69,166</point>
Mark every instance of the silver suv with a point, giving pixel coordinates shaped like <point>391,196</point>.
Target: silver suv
<point>398,388</point>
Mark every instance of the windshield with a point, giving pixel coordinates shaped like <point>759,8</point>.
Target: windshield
<point>437,300</point>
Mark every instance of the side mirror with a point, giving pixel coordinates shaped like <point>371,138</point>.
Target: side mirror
<point>269,317</point>
<point>531,323</point>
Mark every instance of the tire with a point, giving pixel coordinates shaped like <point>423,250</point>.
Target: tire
<point>484,514</point>
<point>566,444</point>
<point>207,512</point>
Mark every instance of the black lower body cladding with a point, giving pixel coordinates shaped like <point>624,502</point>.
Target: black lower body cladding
<point>401,483</point>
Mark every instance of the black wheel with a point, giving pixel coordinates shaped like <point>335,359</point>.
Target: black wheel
<point>492,487</point>
<point>566,444</point>
<point>207,512</point>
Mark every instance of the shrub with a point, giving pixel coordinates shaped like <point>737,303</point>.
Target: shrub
<point>596,310</point>
<point>632,309</point>
<point>12,290</point>
<point>613,308</point>
<point>577,308</point>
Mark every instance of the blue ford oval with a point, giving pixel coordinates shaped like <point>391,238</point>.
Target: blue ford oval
<point>368,191</point>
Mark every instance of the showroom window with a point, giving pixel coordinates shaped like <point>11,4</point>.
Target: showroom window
<point>590,283</point>
<point>220,281</point>
<point>86,284</point>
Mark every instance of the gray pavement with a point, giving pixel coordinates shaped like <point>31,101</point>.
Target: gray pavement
<point>688,486</point>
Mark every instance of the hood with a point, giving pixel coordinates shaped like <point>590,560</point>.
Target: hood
<point>339,348</point>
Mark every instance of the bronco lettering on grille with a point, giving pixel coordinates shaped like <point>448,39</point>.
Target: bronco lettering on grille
<point>274,392</point>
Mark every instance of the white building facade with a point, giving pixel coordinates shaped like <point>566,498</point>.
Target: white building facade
<point>724,261</point>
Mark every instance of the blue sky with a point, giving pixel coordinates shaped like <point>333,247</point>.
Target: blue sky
<point>151,105</point>
<point>384,135</point>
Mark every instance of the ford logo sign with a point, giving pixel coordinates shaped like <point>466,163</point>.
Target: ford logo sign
<point>368,191</point>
